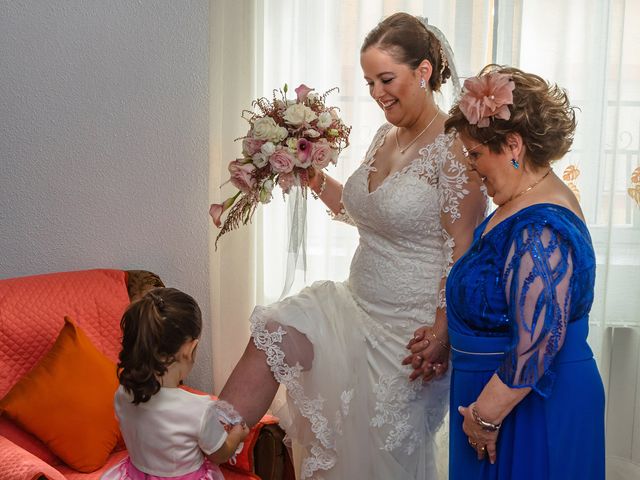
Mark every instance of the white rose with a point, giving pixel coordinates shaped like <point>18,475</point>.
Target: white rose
<point>268,148</point>
<point>298,114</point>
<point>265,128</point>
<point>311,133</point>
<point>324,120</point>
<point>260,159</point>
<point>280,135</point>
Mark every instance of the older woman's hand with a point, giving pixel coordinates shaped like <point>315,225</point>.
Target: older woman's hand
<point>480,439</point>
<point>429,356</point>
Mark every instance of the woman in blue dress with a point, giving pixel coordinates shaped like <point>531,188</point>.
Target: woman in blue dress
<point>527,401</point>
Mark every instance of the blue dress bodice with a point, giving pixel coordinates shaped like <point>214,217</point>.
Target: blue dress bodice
<point>525,280</point>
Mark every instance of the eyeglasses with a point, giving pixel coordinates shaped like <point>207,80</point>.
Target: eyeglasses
<point>466,151</point>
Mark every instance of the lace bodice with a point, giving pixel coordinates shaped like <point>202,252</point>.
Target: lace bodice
<point>406,240</point>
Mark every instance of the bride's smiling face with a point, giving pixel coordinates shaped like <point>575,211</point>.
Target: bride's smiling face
<point>394,86</point>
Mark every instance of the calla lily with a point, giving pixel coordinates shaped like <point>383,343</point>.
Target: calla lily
<point>217,209</point>
<point>302,92</point>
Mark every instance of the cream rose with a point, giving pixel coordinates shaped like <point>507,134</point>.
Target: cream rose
<point>265,128</point>
<point>298,114</point>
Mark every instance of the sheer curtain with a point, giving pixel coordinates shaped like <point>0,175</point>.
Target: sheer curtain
<point>233,70</point>
<point>587,46</point>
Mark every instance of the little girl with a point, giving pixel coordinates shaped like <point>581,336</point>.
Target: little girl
<point>168,431</point>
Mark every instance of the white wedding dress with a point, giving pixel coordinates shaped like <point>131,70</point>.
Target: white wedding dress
<point>354,412</point>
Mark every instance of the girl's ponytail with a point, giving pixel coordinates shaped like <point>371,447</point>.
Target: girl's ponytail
<point>153,330</point>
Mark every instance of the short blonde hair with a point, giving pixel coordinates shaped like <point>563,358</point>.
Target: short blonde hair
<point>540,113</point>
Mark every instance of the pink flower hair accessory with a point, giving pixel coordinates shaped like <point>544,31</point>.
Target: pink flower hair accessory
<point>486,97</point>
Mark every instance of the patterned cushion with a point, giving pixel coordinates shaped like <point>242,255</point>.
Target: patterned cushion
<point>32,311</point>
<point>18,464</point>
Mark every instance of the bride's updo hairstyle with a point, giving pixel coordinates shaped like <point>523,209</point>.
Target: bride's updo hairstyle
<point>540,113</point>
<point>408,41</point>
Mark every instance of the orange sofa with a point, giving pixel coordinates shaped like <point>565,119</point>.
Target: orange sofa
<point>43,418</point>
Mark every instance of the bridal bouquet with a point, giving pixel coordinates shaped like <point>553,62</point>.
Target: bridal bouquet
<point>286,139</point>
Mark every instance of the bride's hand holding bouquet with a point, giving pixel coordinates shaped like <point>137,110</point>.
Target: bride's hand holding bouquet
<point>287,143</point>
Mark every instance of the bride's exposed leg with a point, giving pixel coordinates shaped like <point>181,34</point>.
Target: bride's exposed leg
<point>251,386</point>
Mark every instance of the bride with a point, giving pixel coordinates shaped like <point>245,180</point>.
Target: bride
<point>354,407</point>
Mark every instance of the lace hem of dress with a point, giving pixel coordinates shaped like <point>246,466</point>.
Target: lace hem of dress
<point>323,450</point>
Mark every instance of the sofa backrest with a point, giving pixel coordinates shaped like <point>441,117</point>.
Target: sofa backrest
<point>32,311</point>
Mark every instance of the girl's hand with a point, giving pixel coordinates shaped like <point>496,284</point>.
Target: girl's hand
<point>227,452</point>
<point>481,440</point>
<point>238,432</point>
<point>429,357</point>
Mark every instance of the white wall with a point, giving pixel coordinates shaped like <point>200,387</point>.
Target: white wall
<point>104,141</point>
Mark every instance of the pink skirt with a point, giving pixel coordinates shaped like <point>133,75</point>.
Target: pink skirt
<point>125,470</point>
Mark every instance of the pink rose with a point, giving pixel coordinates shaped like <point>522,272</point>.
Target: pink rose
<point>281,161</point>
<point>302,92</point>
<point>251,146</point>
<point>304,150</point>
<point>286,181</point>
<point>217,209</point>
<point>242,175</point>
<point>322,155</point>
<point>487,96</point>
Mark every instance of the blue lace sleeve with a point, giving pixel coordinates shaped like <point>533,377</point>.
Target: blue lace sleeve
<point>537,278</point>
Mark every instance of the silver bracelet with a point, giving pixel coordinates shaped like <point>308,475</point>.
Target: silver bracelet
<point>323,185</point>
<point>341,212</point>
<point>486,426</point>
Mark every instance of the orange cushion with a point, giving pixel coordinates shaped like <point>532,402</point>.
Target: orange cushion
<point>67,401</point>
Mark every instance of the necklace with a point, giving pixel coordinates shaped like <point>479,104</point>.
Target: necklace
<point>529,188</point>
<point>402,150</point>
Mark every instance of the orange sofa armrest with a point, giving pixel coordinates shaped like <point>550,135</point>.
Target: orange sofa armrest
<point>18,464</point>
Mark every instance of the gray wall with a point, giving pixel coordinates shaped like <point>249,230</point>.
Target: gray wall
<point>104,141</point>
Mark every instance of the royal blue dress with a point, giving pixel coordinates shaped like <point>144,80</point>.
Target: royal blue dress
<point>518,303</point>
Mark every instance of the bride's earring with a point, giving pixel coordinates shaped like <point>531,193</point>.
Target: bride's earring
<point>423,84</point>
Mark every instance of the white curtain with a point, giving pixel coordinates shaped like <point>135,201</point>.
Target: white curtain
<point>587,46</point>
<point>233,70</point>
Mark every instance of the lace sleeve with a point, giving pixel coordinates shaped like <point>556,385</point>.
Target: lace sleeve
<point>538,276</point>
<point>463,205</point>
